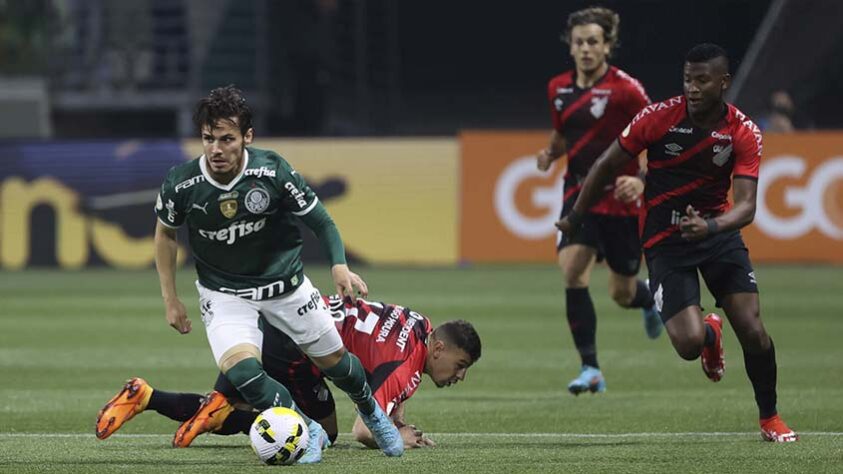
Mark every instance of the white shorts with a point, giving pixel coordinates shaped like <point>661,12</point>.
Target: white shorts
<point>302,315</point>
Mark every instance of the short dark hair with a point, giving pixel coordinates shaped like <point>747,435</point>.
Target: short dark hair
<point>603,17</point>
<point>706,52</point>
<point>223,103</point>
<point>461,334</point>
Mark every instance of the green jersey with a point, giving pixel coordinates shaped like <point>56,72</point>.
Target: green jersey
<point>243,234</point>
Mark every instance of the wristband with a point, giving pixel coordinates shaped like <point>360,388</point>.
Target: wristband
<point>712,226</point>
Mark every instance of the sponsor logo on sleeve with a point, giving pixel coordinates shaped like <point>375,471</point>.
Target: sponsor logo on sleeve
<point>296,194</point>
<point>171,210</point>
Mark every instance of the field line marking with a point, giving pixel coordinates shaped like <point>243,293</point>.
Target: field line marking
<point>473,435</point>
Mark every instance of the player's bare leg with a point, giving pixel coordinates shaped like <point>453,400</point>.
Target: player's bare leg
<point>630,292</point>
<point>743,312</point>
<point>576,262</point>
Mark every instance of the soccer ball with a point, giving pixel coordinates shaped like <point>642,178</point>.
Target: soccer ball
<point>279,436</point>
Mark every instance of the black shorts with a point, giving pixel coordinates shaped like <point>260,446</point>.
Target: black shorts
<point>283,361</point>
<point>614,237</point>
<point>723,261</point>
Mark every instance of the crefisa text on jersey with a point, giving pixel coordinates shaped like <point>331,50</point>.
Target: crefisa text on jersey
<point>236,230</point>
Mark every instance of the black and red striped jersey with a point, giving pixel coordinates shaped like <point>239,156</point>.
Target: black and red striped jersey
<point>590,119</point>
<point>391,343</point>
<point>688,165</point>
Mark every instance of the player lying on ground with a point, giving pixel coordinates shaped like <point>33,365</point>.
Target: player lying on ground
<point>697,147</point>
<point>395,345</point>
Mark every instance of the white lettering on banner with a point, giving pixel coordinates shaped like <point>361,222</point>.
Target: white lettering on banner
<point>549,198</point>
<point>810,199</point>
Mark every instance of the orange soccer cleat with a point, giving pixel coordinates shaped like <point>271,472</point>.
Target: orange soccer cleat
<point>713,362</point>
<point>130,401</point>
<point>774,429</point>
<point>210,417</point>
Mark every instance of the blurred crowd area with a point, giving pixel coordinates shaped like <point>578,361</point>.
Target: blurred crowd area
<point>105,68</point>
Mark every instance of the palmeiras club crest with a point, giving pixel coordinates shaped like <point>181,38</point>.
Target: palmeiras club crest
<point>257,200</point>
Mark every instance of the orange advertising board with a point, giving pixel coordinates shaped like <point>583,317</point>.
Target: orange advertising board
<point>799,216</point>
<point>508,207</point>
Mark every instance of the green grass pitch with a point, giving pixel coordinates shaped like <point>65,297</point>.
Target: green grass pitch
<point>69,339</point>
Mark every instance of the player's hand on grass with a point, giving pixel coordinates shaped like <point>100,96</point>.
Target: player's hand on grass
<point>544,160</point>
<point>177,316</point>
<point>628,188</point>
<point>692,225</point>
<point>348,283</point>
<point>414,438</point>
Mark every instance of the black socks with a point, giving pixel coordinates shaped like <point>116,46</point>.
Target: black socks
<point>583,323</point>
<point>761,369</point>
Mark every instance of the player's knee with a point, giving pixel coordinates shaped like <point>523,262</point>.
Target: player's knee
<point>237,354</point>
<point>575,279</point>
<point>621,296</point>
<point>755,339</point>
<point>688,347</point>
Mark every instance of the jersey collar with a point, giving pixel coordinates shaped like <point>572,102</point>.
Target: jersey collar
<point>225,187</point>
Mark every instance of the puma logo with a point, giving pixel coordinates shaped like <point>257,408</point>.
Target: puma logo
<point>201,208</point>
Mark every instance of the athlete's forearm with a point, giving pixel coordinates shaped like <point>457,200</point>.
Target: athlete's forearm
<point>320,222</point>
<point>557,146</point>
<point>601,175</point>
<point>742,212</point>
<point>166,251</point>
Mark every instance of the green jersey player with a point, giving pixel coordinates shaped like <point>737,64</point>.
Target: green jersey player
<point>240,205</point>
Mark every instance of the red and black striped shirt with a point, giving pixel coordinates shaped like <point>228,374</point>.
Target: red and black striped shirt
<point>391,343</point>
<point>590,119</point>
<point>688,165</point>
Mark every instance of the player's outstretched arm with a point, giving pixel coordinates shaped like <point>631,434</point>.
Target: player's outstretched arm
<point>555,149</point>
<point>166,251</point>
<point>605,168</point>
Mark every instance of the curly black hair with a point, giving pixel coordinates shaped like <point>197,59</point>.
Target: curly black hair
<point>223,103</point>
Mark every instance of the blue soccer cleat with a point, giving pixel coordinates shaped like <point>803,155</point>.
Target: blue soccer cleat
<point>384,432</point>
<point>589,380</point>
<point>652,322</point>
<point>317,441</point>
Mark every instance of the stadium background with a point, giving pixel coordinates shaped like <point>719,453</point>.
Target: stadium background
<point>418,116</point>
